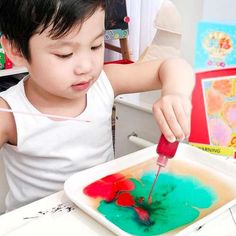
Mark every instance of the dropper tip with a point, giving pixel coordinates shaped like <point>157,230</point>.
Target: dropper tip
<point>162,160</point>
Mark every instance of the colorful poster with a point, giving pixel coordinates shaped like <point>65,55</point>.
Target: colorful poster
<point>220,102</point>
<point>215,45</point>
<point>214,111</point>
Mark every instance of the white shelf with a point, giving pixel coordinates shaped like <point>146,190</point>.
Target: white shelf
<point>13,71</point>
<point>133,100</point>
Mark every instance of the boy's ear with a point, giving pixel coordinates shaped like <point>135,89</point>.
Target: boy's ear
<point>14,54</point>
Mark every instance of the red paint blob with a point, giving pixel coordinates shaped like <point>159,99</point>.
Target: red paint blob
<point>125,200</point>
<point>109,187</point>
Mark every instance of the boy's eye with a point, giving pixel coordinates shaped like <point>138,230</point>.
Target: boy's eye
<point>64,55</point>
<point>96,47</point>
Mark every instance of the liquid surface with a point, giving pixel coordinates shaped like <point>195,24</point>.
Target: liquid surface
<point>177,200</point>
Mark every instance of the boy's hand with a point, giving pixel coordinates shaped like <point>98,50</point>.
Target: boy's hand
<point>173,113</point>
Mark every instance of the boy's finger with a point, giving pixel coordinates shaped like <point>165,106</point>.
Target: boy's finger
<point>164,127</point>
<point>173,123</point>
<point>182,118</point>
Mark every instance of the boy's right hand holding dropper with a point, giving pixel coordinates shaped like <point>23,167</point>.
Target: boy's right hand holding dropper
<point>172,110</point>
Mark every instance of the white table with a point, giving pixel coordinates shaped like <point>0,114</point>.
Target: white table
<point>56,215</point>
<point>53,215</point>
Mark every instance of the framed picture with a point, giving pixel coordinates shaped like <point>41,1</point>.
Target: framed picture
<point>214,111</point>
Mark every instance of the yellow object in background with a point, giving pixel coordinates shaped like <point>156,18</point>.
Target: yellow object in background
<point>217,150</point>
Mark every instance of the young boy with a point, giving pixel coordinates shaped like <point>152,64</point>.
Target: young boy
<point>61,44</point>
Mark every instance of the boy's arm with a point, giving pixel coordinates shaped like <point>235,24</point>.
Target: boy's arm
<point>7,125</point>
<point>176,79</point>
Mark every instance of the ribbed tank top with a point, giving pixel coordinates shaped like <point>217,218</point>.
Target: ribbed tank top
<point>48,151</point>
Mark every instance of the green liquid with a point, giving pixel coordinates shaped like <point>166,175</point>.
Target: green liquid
<point>176,201</point>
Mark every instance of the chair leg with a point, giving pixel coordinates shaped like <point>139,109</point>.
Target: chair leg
<point>124,49</point>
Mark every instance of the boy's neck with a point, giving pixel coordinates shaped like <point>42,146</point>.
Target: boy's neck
<point>55,105</point>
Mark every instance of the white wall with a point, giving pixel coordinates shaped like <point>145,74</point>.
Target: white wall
<point>193,11</point>
<point>220,10</point>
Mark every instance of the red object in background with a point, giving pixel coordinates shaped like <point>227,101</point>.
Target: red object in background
<point>124,61</point>
<point>199,130</point>
<point>126,19</point>
<point>8,63</point>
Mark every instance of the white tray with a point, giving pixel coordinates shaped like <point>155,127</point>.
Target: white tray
<point>188,160</point>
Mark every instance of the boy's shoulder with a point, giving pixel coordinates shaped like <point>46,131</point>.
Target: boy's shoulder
<point>3,105</point>
<point>7,124</point>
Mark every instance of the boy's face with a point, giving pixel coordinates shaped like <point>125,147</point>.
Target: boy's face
<point>68,66</point>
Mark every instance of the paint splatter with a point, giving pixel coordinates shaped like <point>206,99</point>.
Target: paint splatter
<point>108,187</point>
<point>176,201</point>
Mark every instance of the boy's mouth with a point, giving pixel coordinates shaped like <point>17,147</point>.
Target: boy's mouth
<point>81,86</point>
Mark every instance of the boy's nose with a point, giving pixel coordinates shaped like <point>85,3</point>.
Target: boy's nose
<point>83,66</point>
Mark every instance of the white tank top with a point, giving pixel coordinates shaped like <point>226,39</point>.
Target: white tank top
<point>48,151</point>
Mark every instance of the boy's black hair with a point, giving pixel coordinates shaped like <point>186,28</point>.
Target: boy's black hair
<point>21,19</point>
